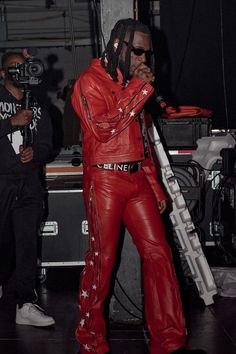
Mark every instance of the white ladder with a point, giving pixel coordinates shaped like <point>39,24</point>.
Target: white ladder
<point>184,227</point>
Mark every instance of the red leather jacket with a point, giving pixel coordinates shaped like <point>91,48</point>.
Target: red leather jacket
<point>108,114</point>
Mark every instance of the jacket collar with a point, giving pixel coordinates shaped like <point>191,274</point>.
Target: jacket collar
<point>97,62</point>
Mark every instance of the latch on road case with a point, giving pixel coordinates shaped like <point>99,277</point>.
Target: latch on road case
<point>84,227</point>
<point>48,228</point>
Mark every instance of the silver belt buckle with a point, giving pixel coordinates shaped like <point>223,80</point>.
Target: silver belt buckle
<point>134,168</point>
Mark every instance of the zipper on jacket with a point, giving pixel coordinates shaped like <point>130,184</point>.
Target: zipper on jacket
<point>85,103</point>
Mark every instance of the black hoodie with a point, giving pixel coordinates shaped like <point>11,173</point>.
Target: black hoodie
<point>10,137</point>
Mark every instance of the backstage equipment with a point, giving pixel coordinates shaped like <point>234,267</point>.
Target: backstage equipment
<point>213,153</point>
<point>217,156</point>
<point>227,217</point>
<point>64,229</point>
<point>182,133</point>
<point>214,212</point>
<point>190,179</point>
<point>184,227</point>
<point>67,163</point>
<point>210,196</point>
<point>209,148</point>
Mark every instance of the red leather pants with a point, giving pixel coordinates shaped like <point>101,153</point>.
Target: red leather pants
<point>113,197</point>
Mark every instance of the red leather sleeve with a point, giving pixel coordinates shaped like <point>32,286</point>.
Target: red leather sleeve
<point>103,119</point>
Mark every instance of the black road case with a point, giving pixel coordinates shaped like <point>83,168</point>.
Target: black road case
<point>182,133</point>
<point>64,230</point>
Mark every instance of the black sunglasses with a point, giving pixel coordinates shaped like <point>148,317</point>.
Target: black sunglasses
<point>139,51</point>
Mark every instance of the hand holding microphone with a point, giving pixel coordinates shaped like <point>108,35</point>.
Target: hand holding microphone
<point>144,72</point>
<point>159,99</point>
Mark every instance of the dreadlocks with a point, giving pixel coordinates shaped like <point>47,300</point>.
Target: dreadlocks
<point>110,57</point>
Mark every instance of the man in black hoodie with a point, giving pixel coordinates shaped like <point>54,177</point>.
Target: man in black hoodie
<point>21,193</point>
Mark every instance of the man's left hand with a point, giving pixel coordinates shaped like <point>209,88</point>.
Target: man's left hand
<point>27,154</point>
<point>162,205</point>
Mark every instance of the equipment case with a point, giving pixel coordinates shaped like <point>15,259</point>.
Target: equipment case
<point>182,133</point>
<point>64,230</point>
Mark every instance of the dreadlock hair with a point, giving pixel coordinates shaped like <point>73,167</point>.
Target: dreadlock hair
<point>110,57</point>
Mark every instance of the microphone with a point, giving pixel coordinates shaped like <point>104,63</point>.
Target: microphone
<point>158,98</point>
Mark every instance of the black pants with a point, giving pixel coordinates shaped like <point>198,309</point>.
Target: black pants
<point>21,210</point>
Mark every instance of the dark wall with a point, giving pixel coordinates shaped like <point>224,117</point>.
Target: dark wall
<point>200,55</point>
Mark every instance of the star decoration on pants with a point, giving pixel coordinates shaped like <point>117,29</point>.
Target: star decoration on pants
<point>84,294</point>
<point>86,347</point>
<point>82,322</point>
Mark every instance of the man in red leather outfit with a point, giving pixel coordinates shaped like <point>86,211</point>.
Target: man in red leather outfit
<point>120,185</point>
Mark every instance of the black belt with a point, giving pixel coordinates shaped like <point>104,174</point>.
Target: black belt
<point>130,167</point>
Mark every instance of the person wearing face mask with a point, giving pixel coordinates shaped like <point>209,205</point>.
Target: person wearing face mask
<point>120,185</point>
<point>21,202</point>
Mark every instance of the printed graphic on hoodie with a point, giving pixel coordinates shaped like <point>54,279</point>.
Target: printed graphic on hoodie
<point>8,109</point>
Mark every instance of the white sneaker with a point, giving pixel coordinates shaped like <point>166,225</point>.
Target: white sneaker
<point>1,291</point>
<point>33,315</point>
